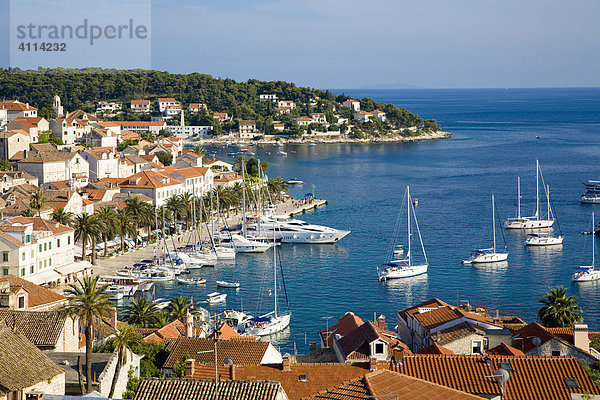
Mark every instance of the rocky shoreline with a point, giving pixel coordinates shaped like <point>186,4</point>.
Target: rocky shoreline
<point>328,139</point>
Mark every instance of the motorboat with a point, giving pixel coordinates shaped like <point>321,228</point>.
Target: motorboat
<point>590,198</point>
<point>191,281</point>
<point>161,303</point>
<point>294,181</point>
<point>225,284</point>
<point>291,230</point>
<point>406,267</point>
<point>282,153</point>
<point>485,256</point>
<point>592,194</point>
<point>225,253</point>
<point>115,292</point>
<point>130,285</point>
<point>535,221</point>
<point>216,297</point>
<point>242,244</point>
<point>588,273</point>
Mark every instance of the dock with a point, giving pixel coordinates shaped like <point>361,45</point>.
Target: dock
<point>290,209</point>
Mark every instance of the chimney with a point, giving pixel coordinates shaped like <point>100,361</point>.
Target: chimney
<point>581,339</point>
<point>188,321</point>
<point>372,364</point>
<point>189,368</point>
<point>381,322</point>
<point>113,319</point>
<point>232,372</point>
<point>312,347</point>
<point>286,364</point>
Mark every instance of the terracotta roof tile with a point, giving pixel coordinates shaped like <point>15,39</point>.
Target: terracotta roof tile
<point>346,324</point>
<point>504,350</point>
<point>432,303</point>
<point>244,352</point>
<point>42,328</point>
<point>148,179</point>
<point>38,295</point>
<point>523,338</point>
<point>190,172</point>
<point>455,332</point>
<point>437,317</point>
<point>436,349</point>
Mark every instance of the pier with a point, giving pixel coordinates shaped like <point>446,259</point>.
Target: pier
<point>296,207</point>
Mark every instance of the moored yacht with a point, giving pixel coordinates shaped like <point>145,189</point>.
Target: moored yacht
<point>290,230</point>
<point>546,238</point>
<point>242,244</point>
<point>483,256</point>
<point>588,273</point>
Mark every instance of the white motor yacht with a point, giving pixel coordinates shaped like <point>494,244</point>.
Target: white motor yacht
<point>242,244</point>
<point>290,230</point>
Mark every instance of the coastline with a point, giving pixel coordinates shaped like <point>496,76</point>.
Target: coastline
<point>272,139</point>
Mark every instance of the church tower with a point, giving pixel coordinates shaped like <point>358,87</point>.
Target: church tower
<point>58,108</point>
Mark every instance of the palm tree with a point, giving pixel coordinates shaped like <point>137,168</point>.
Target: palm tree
<point>86,228</point>
<point>179,306</point>
<point>136,208</point>
<point>198,149</point>
<point>558,310</point>
<point>107,216</point>
<point>28,213</point>
<point>162,319</point>
<point>37,201</point>
<point>90,303</point>
<point>63,217</point>
<point>186,200</point>
<point>125,225</point>
<point>141,312</point>
<point>147,217</point>
<point>276,186</point>
<point>122,340</point>
<point>175,206</point>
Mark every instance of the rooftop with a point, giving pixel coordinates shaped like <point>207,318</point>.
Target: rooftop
<point>38,295</point>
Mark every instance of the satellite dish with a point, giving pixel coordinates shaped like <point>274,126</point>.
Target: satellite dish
<point>501,376</point>
<point>536,341</point>
<point>228,361</point>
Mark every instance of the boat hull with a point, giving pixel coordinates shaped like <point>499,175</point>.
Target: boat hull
<point>488,258</point>
<point>276,324</point>
<point>402,272</point>
<point>586,276</point>
<point>544,241</point>
<point>529,224</point>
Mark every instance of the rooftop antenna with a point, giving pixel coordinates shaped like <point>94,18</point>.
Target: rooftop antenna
<point>501,376</point>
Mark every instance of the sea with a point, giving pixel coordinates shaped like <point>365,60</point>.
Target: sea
<point>498,136</point>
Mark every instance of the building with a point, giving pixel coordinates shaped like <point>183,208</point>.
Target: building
<point>227,179</point>
<point>319,118</point>
<point>217,165</point>
<point>185,389</point>
<point>20,294</point>
<point>366,116</point>
<point>32,125</point>
<point>283,110</point>
<point>25,369</point>
<point>50,166</point>
<point>157,186</point>
<point>195,180</point>
<point>189,131</point>
<point>197,107</point>
<point>38,250</point>
<point>108,107</point>
<point>221,117</point>
<point>10,179</point>
<point>172,111</point>
<point>267,97</point>
<point>164,102</point>
<point>188,159</point>
<point>303,121</point>
<point>12,142</point>
<point>103,369</point>
<point>279,127</point>
<point>247,128</point>
<point>344,326</point>
<point>353,104</point>
<point>389,384</point>
<point>140,106</point>
<point>97,137</point>
<point>286,103</point>
<point>143,126</point>
<point>70,131</point>
<point>15,109</point>
<point>244,352</point>
<point>103,163</point>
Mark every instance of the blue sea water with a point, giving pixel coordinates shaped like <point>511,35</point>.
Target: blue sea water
<point>495,141</point>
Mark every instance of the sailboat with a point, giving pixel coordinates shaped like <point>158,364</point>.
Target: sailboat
<point>588,273</point>
<point>404,268</point>
<point>544,239</point>
<point>272,322</point>
<point>533,222</point>
<point>481,256</point>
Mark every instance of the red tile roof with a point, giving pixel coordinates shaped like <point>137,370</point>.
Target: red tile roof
<point>436,349</point>
<point>432,303</point>
<point>41,224</point>
<point>141,102</point>
<point>38,295</point>
<point>504,350</point>
<point>243,352</point>
<point>173,330</point>
<point>148,179</point>
<point>455,332</point>
<point>190,172</point>
<point>523,338</point>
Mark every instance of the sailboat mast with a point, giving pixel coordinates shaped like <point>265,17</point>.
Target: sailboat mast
<point>548,198</point>
<point>593,238</point>
<point>275,269</point>
<point>408,217</point>
<point>494,222</point>
<point>212,216</point>
<point>243,199</point>
<point>537,189</point>
<point>518,197</point>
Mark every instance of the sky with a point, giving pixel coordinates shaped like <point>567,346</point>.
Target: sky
<point>380,43</point>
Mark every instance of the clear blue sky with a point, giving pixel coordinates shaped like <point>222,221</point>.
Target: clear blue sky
<point>378,43</point>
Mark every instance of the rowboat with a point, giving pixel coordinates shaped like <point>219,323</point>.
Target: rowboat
<point>225,284</point>
<point>191,281</point>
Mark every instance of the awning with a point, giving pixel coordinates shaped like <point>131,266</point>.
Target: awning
<point>44,277</point>
<point>73,267</point>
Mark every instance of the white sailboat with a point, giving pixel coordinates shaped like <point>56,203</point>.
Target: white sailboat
<point>533,222</point>
<point>483,256</point>
<point>588,273</point>
<point>404,268</point>
<point>544,239</point>
<point>272,322</point>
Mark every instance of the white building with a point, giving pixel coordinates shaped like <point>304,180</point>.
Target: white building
<point>157,186</point>
<point>103,162</point>
<point>189,131</point>
<point>164,102</point>
<point>171,111</point>
<point>303,121</point>
<point>140,106</point>
<point>50,166</point>
<point>195,180</point>
<point>354,104</point>
<point>35,248</point>
<point>69,131</point>
<point>12,142</point>
<point>15,109</point>
<point>197,107</point>
<point>248,128</point>
<point>222,117</point>
<point>286,103</point>
<point>108,107</point>
<point>143,126</point>
<point>101,138</point>
<point>267,97</point>
<point>319,118</point>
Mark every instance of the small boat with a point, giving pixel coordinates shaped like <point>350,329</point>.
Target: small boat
<point>588,273</point>
<point>225,284</point>
<point>216,297</point>
<point>281,153</point>
<point>115,292</point>
<point>486,256</point>
<point>544,239</point>
<point>535,221</point>
<point>191,281</point>
<point>161,303</point>
<point>538,137</point>
<point>294,181</point>
<point>398,250</point>
<point>312,144</point>
<point>415,202</point>
<point>277,145</point>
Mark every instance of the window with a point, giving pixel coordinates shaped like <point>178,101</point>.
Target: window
<point>32,253</point>
<point>476,347</point>
<point>27,238</point>
<point>68,240</point>
<point>40,264</point>
<point>45,263</point>
<point>32,269</point>
<point>49,245</point>
<point>486,344</point>
<point>21,302</point>
<point>57,242</point>
<point>555,353</point>
<point>23,256</point>
<point>45,246</point>
<point>5,271</point>
<point>41,248</point>
<point>5,256</point>
<point>50,262</point>
<point>378,348</point>
<point>571,383</point>
<point>22,271</point>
